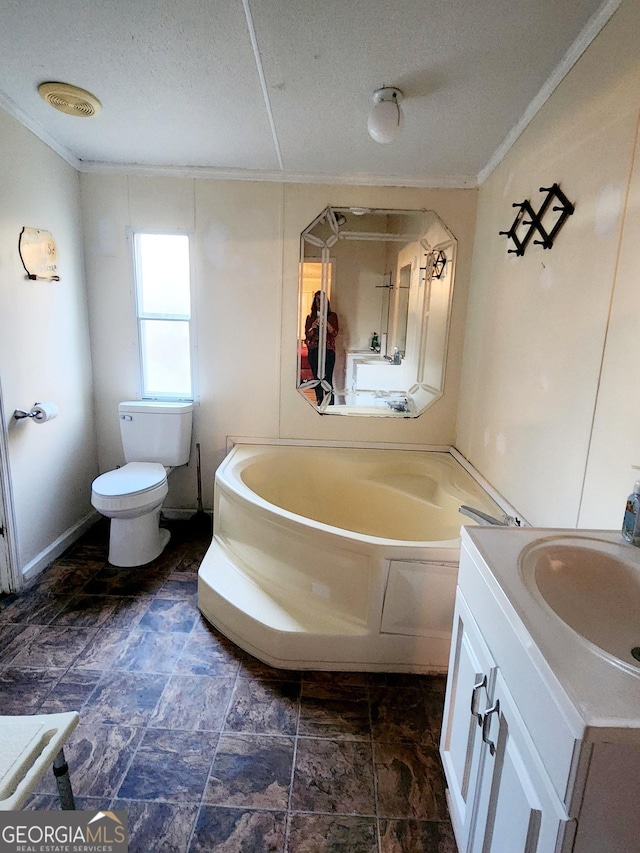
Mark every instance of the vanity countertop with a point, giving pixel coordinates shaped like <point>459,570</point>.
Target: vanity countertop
<point>603,689</point>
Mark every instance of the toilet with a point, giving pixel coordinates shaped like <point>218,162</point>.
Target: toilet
<point>156,437</point>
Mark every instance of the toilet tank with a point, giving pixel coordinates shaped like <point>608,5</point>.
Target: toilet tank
<point>155,431</point>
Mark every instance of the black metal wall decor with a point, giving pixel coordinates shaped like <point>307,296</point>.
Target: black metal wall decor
<point>528,222</point>
<point>435,263</point>
<point>438,264</point>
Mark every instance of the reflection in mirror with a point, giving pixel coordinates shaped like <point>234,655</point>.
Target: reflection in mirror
<point>374,306</point>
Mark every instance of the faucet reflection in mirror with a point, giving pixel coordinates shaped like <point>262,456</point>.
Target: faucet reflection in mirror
<point>387,270</point>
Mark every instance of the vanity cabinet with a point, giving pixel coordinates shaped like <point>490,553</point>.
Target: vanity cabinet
<point>530,767</point>
<point>499,796</point>
<point>371,377</point>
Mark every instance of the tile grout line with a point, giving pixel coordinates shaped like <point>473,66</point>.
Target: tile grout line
<point>288,811</point>
<point>375,775</point>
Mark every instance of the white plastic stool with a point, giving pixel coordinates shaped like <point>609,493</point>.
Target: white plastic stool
<point>28,746</point>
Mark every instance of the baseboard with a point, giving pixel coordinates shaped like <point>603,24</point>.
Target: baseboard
<point>58,546</point>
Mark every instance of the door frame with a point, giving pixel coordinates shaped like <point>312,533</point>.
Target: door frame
<point>11,579</point>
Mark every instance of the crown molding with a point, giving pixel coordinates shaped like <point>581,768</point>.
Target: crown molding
<point>277,176</point>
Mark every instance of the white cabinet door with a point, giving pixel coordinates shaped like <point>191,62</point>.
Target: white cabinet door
<point>517,811</point>
<point>469,693</point>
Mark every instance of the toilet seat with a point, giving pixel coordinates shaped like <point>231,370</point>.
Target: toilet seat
<point>132,479</point>
<point>136,484</point>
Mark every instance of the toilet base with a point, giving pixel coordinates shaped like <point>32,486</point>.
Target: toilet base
<point>136,541</point>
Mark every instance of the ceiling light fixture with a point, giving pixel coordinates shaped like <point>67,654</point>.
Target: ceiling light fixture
<point>385,119</point>
<point>70,99</point>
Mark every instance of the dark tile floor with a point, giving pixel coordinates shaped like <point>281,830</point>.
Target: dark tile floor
<point>205,747</point>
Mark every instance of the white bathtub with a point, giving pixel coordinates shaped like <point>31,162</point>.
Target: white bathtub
<point>338,558</point>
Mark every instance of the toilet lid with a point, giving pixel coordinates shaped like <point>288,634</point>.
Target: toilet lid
<point>132,479</point>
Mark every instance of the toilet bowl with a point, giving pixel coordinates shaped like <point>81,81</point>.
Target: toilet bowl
<point>132,497</point>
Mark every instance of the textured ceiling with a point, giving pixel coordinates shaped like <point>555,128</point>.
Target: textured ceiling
<point>281,89</point>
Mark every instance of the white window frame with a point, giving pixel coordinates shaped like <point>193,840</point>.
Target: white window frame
<point>144,395</point>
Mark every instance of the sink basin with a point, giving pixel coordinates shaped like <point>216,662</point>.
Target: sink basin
<point>591,585</point>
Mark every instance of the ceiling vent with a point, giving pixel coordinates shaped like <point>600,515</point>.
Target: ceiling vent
<point>70,99</point>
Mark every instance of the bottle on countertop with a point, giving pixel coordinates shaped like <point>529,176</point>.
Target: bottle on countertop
<point>631,521</point>
<point>375,346</point>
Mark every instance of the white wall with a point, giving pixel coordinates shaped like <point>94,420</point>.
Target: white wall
<point>44,349</point>
<point>548,394</point>
<point>246,238</point>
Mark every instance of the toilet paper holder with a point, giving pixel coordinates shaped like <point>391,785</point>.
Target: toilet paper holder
<point>40,412</point>
<point>19,414</point>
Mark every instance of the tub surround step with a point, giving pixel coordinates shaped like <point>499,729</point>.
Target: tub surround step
<point>245,613</point>
<point>218,575</point>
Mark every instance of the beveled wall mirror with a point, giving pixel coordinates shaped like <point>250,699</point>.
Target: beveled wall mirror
<point>374,306</point>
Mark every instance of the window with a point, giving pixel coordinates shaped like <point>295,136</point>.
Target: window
<point>163,301</point>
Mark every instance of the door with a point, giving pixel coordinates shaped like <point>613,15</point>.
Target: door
<point>517,811</point>
<point>469,693</point>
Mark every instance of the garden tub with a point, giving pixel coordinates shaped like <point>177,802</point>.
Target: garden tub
<point>338,558</point>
